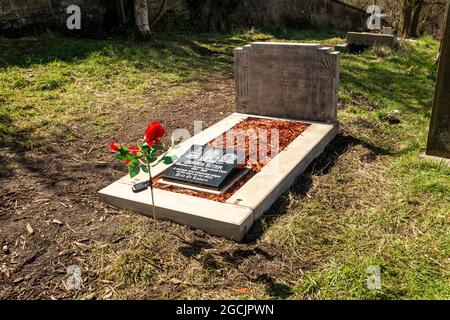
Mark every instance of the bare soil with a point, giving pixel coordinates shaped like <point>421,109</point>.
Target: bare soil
<point>58,200</point>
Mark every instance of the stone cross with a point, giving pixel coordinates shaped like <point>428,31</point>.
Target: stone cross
<point>439,136</point>
<point>287,80</point>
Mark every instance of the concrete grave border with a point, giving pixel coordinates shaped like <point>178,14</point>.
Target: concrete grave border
<point>369,39</point>
<point>304,88</point>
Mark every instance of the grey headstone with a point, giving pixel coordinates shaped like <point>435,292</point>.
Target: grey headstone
<point>287,80</point>
<point>370,39</point>
<point>439,136</point>
<point>388,30</point>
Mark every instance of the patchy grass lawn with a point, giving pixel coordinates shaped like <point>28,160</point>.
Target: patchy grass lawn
<point>367,201</point>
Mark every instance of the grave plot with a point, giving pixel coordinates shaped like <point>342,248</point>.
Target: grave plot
<point>360,41</point>
<point>228,175</point>
<point>357,42</point>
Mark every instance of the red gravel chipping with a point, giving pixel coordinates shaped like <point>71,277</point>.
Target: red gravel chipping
<point>288,132</point>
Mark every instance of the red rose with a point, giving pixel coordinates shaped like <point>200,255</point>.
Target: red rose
<point>115,146</point>
<point>133,150</point>
<point>155,131</point>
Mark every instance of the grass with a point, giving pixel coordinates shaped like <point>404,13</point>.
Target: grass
<point>52,81</point>
<point>369,201</point>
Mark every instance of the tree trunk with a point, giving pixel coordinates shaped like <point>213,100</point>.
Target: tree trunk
<point>415,19</point>
<point>141,16</point>
<point>411,11</point>
<point>120,8</point>
<point>439,136</point>
<point>406,17</point>
<point>160,13</point>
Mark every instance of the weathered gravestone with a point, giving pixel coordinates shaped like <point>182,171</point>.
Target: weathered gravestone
<point>298,82</point>
<point>368,39</point>
<point>388,30</point>
<point>439,136</point>
<point>295,81</point>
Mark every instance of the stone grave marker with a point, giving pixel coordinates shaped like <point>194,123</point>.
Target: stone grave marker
<point>368,39</point>
<point>281,81</point>
<point>388,30</point>
<point>295,81</point>
<point>439,135</point>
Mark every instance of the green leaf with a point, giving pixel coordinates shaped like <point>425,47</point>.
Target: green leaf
<point>157,147</point>
<point>120,157</point>
<point>169,159</point>
<point>144,168</point>
<point>145,148</point>
<point>133,160</point>
<point>134,170</point>
<point>151,158</point>
<point>123,151</point>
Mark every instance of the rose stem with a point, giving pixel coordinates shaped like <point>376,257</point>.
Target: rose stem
<point>151,190</point>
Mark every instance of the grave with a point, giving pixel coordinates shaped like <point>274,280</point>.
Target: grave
<point>291,86</point>
<point>388,30</point>
<point>369,39</point>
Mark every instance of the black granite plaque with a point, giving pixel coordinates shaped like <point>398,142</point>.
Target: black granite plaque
<point>207,167</point>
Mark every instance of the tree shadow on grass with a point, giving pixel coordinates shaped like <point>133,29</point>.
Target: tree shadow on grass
<point>191,249</point>
<point>255,255</point>
<point>278,290</point>
<point>239,255</point>
<point>49,162</point>
<point>213,262</point>
<point>320,166</point>
<point>184,55</point>
<point>162,53</point>
<point>4,170</point>
<point>164,50</point>
<point>274,289</point>
<point>12,140</point>
<point>399,89</point>
<point>305,34</point>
